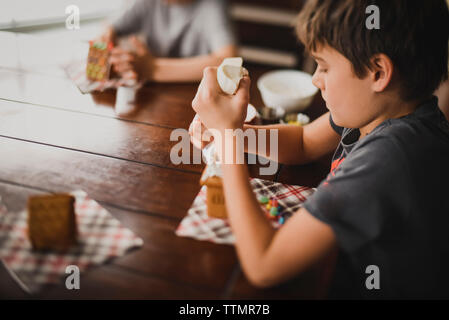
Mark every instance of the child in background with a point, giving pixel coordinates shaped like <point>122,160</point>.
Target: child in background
<point>384,204</point>
<point>182,38</point>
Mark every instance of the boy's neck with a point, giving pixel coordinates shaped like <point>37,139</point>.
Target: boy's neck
<point>406,108</point>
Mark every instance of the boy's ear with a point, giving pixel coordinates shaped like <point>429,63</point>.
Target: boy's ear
<point>381,72</point>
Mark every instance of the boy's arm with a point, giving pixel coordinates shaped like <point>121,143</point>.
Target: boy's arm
<point>269,257</point>
<point>298,145</point>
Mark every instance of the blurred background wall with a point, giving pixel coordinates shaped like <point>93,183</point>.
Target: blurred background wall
<point>265,28</point>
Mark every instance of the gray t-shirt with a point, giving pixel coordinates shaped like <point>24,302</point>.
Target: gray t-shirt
<point>176,30</point>
<point>387,200</point>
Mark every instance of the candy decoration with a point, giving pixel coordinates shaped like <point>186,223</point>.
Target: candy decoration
<point>302,119</point>
<point>298,119</point>
<point>263,200</point>
<point>273,209</point>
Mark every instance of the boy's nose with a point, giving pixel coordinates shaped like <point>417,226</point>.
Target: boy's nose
<point>317,81</point>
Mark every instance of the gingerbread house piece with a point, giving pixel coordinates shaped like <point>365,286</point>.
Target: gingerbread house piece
<point>211,178</point>
<point>98,67</point>
<point>52,222</point>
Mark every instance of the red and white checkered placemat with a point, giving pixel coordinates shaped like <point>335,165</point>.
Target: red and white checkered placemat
<point>100,238</point>
<point>76,71</point>
<point>198,225</point>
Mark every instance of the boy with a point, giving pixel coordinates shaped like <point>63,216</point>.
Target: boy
<point>385,204</point>
<point>183,37</point>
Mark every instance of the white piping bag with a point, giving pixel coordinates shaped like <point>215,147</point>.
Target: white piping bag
<point>229,74</point>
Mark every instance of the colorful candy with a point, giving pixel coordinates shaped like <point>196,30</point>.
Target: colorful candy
<point>263,200</point>
<point>298,119</point>
<point>273,209</point>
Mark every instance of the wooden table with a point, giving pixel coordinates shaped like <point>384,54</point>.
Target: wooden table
<point>55,139</point>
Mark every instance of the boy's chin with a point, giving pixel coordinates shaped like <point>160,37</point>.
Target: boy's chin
<point>336,119</point>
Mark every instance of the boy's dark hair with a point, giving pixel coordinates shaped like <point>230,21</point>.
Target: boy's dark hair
<point>413,34</point>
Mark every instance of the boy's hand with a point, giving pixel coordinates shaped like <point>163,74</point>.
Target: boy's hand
<point>199,135</point>
<point>135,64</point>
<point>216,109</point>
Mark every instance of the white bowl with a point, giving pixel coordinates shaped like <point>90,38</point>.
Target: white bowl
<point>290,90</point>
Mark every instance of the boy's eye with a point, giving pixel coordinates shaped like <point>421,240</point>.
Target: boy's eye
<point>323,70</point>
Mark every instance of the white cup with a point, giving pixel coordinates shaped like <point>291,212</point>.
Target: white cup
<point>125,100</point>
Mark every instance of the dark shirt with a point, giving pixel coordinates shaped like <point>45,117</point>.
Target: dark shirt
<point>387,201</point>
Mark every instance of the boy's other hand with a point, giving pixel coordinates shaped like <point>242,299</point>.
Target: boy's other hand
<point>133,64</point>
<point>199,135</point>
<point>217,109</point>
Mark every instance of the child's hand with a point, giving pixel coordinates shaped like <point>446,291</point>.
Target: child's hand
<point>199,135</point>
<point>218,110</point>
<point>135,64</point>
<point>107,36</point>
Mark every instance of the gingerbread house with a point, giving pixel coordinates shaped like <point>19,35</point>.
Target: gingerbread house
<point>215,200</point>
<point>98,67</point>
<point>52,222</point>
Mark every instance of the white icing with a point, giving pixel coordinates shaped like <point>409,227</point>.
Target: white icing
<point>302,119</point>
<point>212,170</point>
<point>251,113</point>
<point>209,154</point>
<point>284,89</point>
